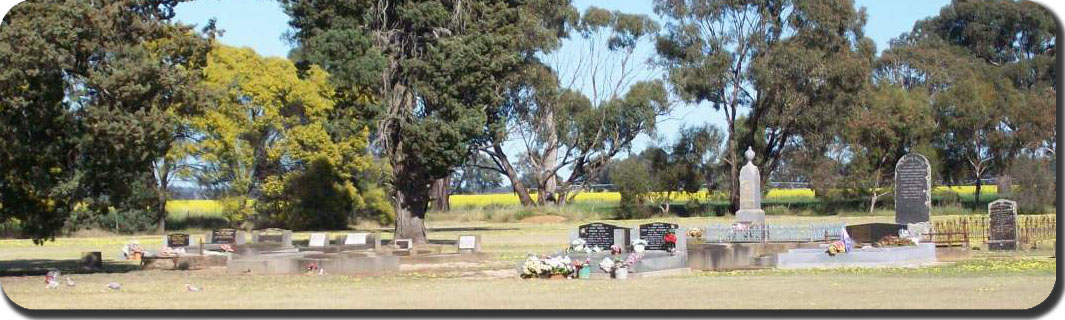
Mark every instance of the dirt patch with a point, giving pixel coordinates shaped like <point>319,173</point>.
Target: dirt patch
<point>548,219</point>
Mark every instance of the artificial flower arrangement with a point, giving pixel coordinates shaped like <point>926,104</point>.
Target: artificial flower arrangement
<point>579,245</point>
<point>835,248</point>
<point>583,267</point>
<point>671,241</point>
<point>695,233</point>
<point>547,266</point>
<point>133,251</point>
<point>638,245</point>
<point>615,249</point>
<point>618,267</point>
<point>893,241</point>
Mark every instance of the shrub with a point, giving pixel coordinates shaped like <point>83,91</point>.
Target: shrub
<point>1035,184</point>
<point>633,182</point>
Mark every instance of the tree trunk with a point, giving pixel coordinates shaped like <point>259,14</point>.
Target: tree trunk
<point>160,206</point>
<point>411,203</point>
<point>734,180</point>
<point>547,173</point>
<point>976,202</point>
<point>1005,185</point>
<point>441,195</point>
<point>512,175</point>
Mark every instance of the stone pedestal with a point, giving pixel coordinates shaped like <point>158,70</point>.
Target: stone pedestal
<point>753,216</point>
<point>750,193</point>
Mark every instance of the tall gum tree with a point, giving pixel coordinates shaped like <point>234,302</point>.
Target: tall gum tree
<point>785,68</point>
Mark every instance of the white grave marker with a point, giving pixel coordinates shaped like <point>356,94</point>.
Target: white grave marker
<point>355,239</point>
<point>318,240</point>
<point>467,242</point>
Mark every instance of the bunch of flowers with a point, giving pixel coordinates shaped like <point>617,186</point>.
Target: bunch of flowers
<point>695,233</point>
<point>578,264</point>
<point>611,264</point>
<point>836,248</point>
<point>227,248</point>
<point>615,249</point>
<point>893,241</point>
<point>578,245</point>
<point>132,249</point>
<point>639,244</point>
<point>671,241</point>
<point>541,266</point>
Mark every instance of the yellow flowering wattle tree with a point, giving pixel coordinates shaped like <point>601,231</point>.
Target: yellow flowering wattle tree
<point>269,140</point>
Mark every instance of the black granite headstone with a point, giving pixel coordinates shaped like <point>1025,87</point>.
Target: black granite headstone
<point>177,240</point>
<point>654,233</point>
<point>1002,229</point>
<point>913,189</point>
<point>873,232</point>
<point>225,236</point>
<point>598,234</point>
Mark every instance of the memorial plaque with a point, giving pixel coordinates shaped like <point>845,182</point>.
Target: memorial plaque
<point>873,232</point>
<point>913,189</point>
<point>353,239</point>
<point>467,242</point>
<point>225,236</point>
<point>318,240</point>
<point>654,234</point>
<point>177,240</point>
<point>1002,229</point>
<point>404,244</point>
<point>597,235</point>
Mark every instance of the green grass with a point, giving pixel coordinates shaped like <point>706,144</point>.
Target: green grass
<point>990,280</point>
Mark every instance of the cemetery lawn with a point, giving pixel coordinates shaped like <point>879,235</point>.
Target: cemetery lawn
<point>989,280</point>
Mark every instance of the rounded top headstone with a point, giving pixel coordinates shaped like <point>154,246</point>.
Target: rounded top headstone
<point>749,154</point>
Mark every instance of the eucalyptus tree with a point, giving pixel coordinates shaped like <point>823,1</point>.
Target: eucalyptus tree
<point>575,110</point>
<point>787,68</point>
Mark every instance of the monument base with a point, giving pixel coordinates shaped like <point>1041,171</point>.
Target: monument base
<point>753,216</point>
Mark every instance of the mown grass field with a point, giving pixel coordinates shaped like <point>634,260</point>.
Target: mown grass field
<point>990,280</point>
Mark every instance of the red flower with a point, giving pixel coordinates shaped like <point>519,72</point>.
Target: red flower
<point>670,238</point>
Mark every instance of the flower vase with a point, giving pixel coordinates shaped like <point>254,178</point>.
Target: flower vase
<point>621,273</point>
<point>585,273</point>
<point>638,248</point>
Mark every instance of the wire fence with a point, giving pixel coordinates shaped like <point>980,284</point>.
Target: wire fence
<point>1030,229</point>
<point>774,233</point>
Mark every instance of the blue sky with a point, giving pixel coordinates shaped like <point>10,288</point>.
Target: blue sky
<point>260,25</point>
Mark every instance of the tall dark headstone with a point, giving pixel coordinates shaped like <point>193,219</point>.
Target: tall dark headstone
<point>599,234</point>
<point>654,234</point>
<point>913,189</point>
<point>1002,229</point>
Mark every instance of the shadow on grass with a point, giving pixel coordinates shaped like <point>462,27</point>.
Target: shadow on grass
<point>35,267</point>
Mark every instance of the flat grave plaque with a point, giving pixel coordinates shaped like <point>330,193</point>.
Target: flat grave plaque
<point>355,239</point>
<point>224,236</point>
<point>177,240</point>
<point>318,240</point>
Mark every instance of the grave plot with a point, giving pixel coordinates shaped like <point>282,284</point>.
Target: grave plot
<point>356,253</point>
<point>600,250</point>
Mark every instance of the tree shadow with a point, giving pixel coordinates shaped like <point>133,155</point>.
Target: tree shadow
<point>35,267</point>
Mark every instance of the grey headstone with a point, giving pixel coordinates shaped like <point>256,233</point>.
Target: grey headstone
<point>1002,230</point>
<point>750,192</point>
<point>913,189</point>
